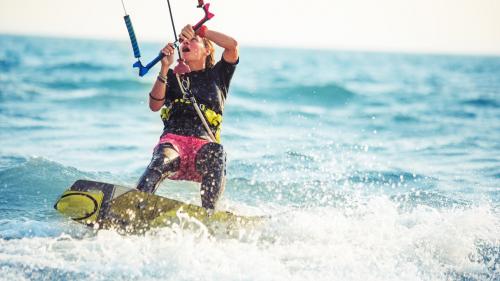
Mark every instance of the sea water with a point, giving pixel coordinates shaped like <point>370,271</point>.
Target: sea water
<point>371,166</point>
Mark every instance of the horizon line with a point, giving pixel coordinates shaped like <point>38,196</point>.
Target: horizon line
<point>270,46</point>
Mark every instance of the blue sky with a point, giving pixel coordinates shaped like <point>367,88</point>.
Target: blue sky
<point>444,26</point>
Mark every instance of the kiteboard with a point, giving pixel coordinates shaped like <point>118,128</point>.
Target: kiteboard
<point>108,206</point>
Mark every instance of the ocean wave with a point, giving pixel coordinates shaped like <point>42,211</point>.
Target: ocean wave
<point>319,95</point>
<point>235,112</point>
<point>7,161</point>
<point>29,172</point>
<point>102,100</point>
<point>117,148</point>
<point>482,102</point>
<point>27,127</point>
<point>9,62</point>
<point>20,228</point>
<point>33,184</point>
<point>460,114</point>
<point>414,199</point>
<point>78,67</point>
<point>407,189</point>
<point>109,84</point>
<point>405,118</point>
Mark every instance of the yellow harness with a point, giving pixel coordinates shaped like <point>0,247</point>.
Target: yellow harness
<point>212,117</point>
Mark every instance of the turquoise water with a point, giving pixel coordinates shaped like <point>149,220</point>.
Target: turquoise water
<point>372,166</point>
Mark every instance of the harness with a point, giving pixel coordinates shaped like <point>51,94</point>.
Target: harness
<point>206,114</point>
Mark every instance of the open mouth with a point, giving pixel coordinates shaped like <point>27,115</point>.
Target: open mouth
<point>185,49</point>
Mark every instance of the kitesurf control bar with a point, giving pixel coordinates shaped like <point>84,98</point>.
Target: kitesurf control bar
<point>135,46</point>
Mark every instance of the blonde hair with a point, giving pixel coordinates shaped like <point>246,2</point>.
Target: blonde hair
<point>210,60</point>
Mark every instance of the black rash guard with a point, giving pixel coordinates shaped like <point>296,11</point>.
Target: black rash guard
<point>209,87</point>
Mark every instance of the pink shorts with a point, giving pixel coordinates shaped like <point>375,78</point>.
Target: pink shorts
<point>187,147</point>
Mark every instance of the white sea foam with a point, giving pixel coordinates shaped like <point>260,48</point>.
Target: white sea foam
<point>375,240</point>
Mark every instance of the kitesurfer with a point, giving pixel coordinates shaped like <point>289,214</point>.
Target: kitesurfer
<point>186,150</point>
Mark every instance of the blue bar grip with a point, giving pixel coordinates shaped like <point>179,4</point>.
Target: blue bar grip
<point>144,69</point>
<point>131,34</point>
<point>155,60</point>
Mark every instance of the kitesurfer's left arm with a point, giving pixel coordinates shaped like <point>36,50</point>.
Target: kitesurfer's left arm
<point>229,44</point>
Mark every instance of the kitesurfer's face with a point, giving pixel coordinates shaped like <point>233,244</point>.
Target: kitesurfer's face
<point>194,49</point>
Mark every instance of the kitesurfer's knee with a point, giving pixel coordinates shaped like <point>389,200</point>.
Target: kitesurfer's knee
<point>210,157</point>
<point>165,159</point>
<point>165,162</point>
<point>211,164</point>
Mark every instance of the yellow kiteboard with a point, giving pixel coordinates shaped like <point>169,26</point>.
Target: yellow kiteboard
<point>108,206</point>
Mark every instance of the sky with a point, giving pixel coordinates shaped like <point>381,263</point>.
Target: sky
<point>424,26</point>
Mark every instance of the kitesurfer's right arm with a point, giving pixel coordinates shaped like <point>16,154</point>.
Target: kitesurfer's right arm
<point>158,93</point>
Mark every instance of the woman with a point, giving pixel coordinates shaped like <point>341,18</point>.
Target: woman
<point>186,150</point>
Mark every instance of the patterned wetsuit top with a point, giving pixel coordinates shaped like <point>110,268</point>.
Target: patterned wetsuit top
<point>209,87</point>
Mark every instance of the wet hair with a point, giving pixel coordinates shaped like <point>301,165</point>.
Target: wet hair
<point>210,60</point>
